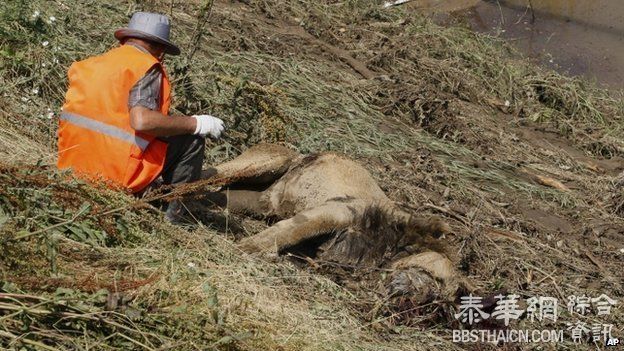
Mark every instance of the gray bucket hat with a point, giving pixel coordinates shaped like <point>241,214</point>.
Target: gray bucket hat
<point>149,26</point>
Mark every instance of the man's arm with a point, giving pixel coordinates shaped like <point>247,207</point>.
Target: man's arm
<point>155,123</point>
<point>145,116</point>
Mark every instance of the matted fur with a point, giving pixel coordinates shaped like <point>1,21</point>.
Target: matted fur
<point>376,236</point>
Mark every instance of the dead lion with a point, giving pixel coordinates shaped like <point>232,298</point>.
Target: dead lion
<point>332,208</point>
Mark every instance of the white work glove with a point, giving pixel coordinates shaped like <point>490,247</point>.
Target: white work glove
<point>208,125</point>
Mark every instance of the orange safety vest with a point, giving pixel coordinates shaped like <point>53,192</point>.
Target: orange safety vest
<point>95,138</point>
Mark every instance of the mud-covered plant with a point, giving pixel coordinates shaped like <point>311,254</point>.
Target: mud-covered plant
<point>38,201</point>
<point>257,115</point>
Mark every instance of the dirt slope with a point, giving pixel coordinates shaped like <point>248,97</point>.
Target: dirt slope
<point>526,165</point>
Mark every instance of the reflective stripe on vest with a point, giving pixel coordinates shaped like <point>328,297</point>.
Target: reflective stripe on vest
<point>103,128</point>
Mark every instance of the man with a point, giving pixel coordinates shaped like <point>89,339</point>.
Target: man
<point>115,125</point>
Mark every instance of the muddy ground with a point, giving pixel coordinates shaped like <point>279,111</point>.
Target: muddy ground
<point>534,210</point>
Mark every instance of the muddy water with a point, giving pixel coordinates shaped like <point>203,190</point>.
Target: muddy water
<point>578,37</point>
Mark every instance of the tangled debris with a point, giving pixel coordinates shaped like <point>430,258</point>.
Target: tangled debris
<point>448,121</point>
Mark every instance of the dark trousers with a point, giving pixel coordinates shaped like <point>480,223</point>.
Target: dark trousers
<point>185,156</point>
<point>183,164</point>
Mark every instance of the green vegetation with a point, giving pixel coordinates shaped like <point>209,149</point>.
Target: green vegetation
<point>83,267</point>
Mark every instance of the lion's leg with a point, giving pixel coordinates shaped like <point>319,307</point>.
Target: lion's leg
<point>304,226</point>
<point>260,164</point>
<point>239,201</point>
